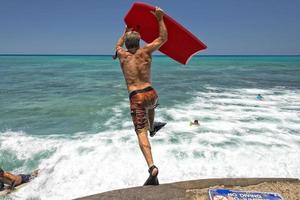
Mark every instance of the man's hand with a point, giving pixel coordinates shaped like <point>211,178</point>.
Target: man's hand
<point>12,186</point>
<point>159,13</point>
<point>127,29</point>
<point>8,191</point>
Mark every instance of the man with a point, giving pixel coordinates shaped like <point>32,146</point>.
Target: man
<point>15,180</point>
<point>259,97</point>
<point>136,67</point>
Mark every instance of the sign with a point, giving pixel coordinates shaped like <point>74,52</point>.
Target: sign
<point>226,194</point>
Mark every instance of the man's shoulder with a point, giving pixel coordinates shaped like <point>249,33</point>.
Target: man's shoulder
<point>143,51</point>
<point>121,52</point>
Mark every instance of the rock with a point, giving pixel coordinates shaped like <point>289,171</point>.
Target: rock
<point>198,189</point>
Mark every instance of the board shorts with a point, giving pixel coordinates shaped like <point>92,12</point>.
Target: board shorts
<point>140,102</point>
<point>26,178</point>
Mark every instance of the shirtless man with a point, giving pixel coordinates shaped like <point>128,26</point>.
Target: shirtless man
<point>136,66</point>
<point>15,180</point>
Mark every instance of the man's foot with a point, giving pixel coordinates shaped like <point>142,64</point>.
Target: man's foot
<point>35,173</point>
<point>152,179</point>
<point>156,127</point>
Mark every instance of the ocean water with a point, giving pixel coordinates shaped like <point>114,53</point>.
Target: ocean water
<point>69,116</point>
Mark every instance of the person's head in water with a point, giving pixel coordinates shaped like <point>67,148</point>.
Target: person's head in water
<point>132,40</point>
<point>195,123</point>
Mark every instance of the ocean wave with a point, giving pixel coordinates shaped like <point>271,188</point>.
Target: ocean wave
<point>238,136</point>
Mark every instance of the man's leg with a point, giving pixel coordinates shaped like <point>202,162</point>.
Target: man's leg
<point>150,115</point>
<point>146,148</point>
<point>145,145</point>
<point>139,118</point>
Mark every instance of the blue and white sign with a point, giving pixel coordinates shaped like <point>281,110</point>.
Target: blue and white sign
<point>226,194</point>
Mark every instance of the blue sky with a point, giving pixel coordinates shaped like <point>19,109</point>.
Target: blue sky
<point>93,26</point>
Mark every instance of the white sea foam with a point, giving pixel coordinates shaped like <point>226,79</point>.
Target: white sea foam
<point>238,137</point>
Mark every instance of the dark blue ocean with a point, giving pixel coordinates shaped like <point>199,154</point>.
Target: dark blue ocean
<point>69,116</point>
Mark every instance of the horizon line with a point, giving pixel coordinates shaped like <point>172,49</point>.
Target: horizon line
<point>38,54</point>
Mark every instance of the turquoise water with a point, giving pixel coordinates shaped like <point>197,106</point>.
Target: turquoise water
<point>44,95</point>
<point>70,115</point>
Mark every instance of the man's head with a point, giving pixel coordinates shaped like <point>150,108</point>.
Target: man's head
<point>132,40</point>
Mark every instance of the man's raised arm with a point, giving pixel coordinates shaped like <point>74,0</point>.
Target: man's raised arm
<point>163,33</point>
<point>120,43</point>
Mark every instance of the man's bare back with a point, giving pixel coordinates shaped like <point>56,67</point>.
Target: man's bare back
<point>136,68</point>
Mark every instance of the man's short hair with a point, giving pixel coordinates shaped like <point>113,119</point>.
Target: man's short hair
<point>132,40</point>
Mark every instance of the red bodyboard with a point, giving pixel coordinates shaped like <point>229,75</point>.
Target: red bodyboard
<point>181,44</point>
